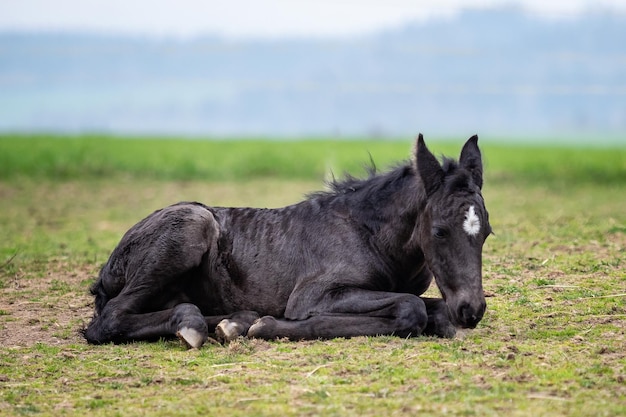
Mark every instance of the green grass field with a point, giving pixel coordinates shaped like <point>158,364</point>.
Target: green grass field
<point>553,340</point>
<point>101,157</point>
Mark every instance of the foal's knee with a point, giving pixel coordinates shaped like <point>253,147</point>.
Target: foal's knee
<point>411,315</point>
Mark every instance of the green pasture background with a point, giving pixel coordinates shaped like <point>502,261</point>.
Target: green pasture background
<point>91,156</point>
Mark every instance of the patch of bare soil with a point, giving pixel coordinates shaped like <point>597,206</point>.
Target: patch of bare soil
<point>49,307</point>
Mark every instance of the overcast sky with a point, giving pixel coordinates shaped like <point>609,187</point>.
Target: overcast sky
<point>257,18</point>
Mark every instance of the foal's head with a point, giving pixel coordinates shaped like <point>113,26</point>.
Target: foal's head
<point>453,228</point>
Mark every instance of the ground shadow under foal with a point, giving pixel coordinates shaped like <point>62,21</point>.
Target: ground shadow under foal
<point>346,262</point>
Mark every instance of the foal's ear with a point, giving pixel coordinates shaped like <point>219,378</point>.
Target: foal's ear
<point>428,167</point>
<point>472,160</point>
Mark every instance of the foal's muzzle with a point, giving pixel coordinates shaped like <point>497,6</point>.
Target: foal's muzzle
<point>468,315</point>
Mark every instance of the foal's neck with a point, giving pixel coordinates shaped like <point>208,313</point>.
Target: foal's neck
<point>400,212</point>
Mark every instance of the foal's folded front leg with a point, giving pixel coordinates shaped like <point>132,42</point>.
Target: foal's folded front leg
<point>439,322</point>
<point>356,313</point>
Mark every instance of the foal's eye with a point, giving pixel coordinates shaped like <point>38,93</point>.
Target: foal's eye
<point>440,232</point>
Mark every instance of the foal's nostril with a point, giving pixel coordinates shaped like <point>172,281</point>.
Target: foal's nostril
<point>464,311</point>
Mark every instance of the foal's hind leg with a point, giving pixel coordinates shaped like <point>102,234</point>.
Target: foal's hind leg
<point>155,261</point>
<point>185,321</point>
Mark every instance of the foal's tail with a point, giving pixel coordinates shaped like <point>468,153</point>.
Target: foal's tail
<point>109,284</point>
<point>104,289</point>
<point>101,296</point>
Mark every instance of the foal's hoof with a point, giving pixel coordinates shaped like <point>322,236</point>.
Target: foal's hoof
<point>263,328</point>
<point>439,323</point>
<point>447,332</point>
<point>440,328</point>
<point>191,337</point>
<point>191,327</point>
<point>227,330</point>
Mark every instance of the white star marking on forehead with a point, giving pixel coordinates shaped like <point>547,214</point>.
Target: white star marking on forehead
<point>471,225</point>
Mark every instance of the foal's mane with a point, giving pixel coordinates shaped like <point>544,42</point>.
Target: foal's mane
<point>374,183</point>
<point>456,178</point>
